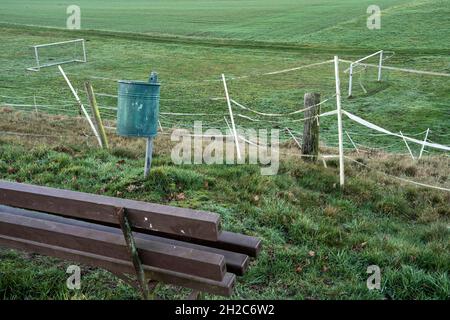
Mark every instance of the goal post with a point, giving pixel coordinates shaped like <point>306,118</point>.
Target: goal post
<point>56,53</point>
<point>357,62</point>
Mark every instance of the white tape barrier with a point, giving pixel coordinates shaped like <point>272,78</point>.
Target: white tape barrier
<point>398,178</point>
<point>278,114</point>
<point>206,81</point>
<point>34,107</point>
<point>29,134</point>
<point>279,71</point>
<point>295,139</point>
<point>380,129</point>
<point>329,113</point>
<point>298,68</point>
<point>383,134</point>
<point>430,73</point>
<point>101,94</point>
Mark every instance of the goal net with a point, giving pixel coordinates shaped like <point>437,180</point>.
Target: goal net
<point>365,73</point>
<point>51,54</point>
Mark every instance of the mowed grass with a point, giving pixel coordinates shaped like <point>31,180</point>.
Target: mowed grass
<point>318,240</point>
<point>407,24</point>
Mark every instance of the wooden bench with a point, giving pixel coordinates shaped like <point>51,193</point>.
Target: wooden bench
<point>177,246</point>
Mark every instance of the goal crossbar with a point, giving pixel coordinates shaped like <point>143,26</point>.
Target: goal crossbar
<point>38,63</point>
<point>350,69</point>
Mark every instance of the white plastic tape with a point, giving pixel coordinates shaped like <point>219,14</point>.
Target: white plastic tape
<point>380,129</point>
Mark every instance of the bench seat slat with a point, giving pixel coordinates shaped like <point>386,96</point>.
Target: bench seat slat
<point>166,256</point>
<point>148,216</point>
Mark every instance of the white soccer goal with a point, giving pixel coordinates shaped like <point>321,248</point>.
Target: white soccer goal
<point>359,62</point>
<point>52,54</point>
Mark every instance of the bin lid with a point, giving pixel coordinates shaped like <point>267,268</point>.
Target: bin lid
<point>138,82</point>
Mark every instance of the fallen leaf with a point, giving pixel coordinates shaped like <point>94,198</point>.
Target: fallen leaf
<point>131,188</point>
<point>12,170</point>
<point>180,196</point>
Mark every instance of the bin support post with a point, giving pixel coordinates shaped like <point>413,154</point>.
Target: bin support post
<point>148,156</point>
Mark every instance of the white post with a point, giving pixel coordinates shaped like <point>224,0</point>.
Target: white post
<point>380,65</point>
<point>351,140</point>
<point>293,137</point>
<point>339,116</point>
<point>84,51</point>
<point>350,81</point>
<point>81,106</point>
<point>148,157</point>
<point>407,146</point>
<point>37,57</point>
<point>238,151</point>
<point>423,145</point>
<point>35,106</point>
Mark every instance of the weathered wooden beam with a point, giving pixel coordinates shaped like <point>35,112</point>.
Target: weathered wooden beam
<point>236,263</point>
<point>134,254</point>
<point>152,253</point>
<point>117,266</point>
<point>142,215</point>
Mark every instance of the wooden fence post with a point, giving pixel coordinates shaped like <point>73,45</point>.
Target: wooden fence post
<point>310,144</point>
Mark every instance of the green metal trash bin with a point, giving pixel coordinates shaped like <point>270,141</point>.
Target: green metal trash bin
<point>138,108</point>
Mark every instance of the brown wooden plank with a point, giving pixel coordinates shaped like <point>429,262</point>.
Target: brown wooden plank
<point>143,215</point>
<point>157,254</point>
<point>228,241</point>
<point>236,263</point>
<point>117,266</point>
<point>239,243</point>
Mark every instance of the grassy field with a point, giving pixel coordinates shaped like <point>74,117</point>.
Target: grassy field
<point>419,24</point>
<point>189,74</point>
<point>318,239</point>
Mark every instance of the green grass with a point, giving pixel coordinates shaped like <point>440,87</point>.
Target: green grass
<point>401,228</point>
<point>405,23</point>
<point>318,240</point>
<point>408,102</point>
